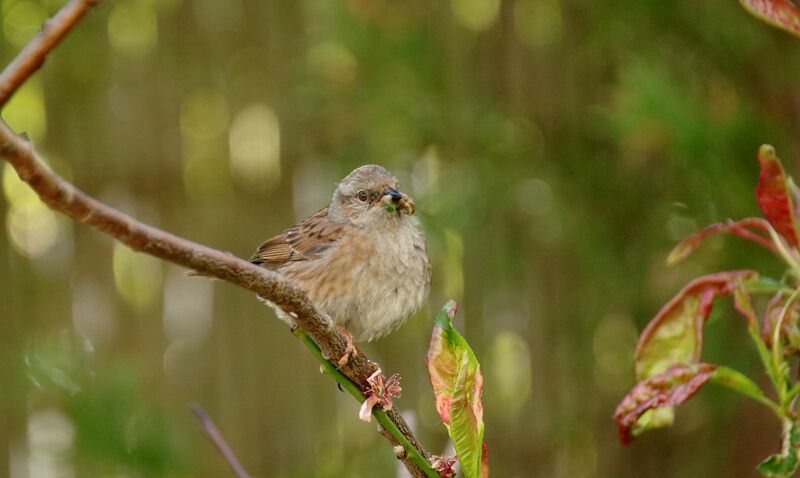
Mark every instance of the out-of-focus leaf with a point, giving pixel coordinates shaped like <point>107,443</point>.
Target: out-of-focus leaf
<point>738,382</point>
<point>484,462</point>
<point>775,196</point>
<point>786,462</point>
<point>743,304</point>
<point>675,335</point>
<point>780,13</point>
<point>639,410</point>
<point>457,384</point>
<point>741,228</point>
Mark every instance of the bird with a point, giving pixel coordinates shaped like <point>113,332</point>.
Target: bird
<point>362,260</point>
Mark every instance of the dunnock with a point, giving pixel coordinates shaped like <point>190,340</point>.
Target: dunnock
<point>361,260</point>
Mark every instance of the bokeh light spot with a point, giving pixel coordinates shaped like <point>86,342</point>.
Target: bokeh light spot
<point>51,435</point>
<point>254,142</point>
<point>16,192</point>
<point>534,197</point>
<point>21,21</point>
<point>133,28</point>
<point>204,115</point>
<point>476,15</point>
<point>26,112</point>
<point>33,229</point>
<point>510,368</point>
<point>333,62</point>
<point>137,276</point>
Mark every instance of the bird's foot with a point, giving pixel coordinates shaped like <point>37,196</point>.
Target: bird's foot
<point>350,347</point>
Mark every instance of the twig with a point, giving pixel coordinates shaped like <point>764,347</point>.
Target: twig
<point>62,196</point>
<point>219,442</point>
<point>388,428</point>
<point>33,55</point>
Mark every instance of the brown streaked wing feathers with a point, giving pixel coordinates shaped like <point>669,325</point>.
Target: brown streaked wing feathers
<point>302,242</point>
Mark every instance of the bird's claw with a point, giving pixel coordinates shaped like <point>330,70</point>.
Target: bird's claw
<point>349,350</point>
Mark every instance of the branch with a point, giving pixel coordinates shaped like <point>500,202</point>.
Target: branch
<point>218,441</point>
<point>33,55</point>
<point>62,196</point>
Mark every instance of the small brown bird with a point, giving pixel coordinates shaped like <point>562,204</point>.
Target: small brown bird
<point>361,260</point>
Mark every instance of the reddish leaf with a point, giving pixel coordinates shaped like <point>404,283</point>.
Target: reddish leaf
<point>775,196</point>
<point>485,462</point>
<point>780,13</point>
<point>739,228</point>
<point>675,335</point>
<point>667,389</point>
<point>743,304</point>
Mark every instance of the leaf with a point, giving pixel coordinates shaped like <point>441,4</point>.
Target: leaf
<point>675,334</point>
<point>743,305</point>
<point>775,196</point>
<point>484,462</point>
<point>642,407</point>
<point>779,13</point>
<point>457,385</point>
<point>738,382</point>
<point>786,462</point>
<point>739,228</point>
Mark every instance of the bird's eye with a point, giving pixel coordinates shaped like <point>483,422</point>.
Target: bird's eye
<point>362,196</point>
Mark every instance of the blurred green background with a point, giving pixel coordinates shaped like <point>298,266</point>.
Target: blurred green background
<point>556,151</point>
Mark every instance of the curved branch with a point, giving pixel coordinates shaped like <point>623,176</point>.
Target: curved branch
<point>32,57</point>
<point>62,196</point>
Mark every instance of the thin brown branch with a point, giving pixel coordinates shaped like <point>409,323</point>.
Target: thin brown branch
<point>218,440</point>
<point>32,57</point>
<point>62,196</point>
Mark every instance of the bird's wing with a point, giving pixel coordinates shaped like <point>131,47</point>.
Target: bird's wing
<point>305,241</point>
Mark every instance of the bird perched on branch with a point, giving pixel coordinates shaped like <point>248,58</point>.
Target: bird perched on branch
<point>362,260</point>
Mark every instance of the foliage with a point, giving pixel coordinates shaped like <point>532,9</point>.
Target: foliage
<point>668,354</point>
<point>780,13</point>
<point>458,385</point>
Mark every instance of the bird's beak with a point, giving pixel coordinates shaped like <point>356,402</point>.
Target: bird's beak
<point>393,200</point>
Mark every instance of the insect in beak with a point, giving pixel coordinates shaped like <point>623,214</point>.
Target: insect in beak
<point>395,201</point>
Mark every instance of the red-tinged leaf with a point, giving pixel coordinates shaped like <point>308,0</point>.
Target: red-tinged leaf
<point>740,228</point>
<point>485,462</point>
<point>665,390</point>
<point>457,385</point>
<point>743,304</point>
<point>780,13</point>
<point>675,335</point>
<point>775,196</point>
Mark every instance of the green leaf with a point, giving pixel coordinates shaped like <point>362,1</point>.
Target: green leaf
<point>738,382</point>
<point>779,13</point>
<point>775,196</point>
<point>786,462</point>
<point>675,334</point>
<point>457,382</point>
<point>650,403</point>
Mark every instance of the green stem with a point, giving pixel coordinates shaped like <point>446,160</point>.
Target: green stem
<point>763,354</point>
<point>378,413</point>
<point>778,363</point>
<point>788,257</point>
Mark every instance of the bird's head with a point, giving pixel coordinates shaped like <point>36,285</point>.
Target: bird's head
<point>371,194</point>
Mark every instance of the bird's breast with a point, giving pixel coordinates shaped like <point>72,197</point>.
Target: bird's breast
<point>371,282</point>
